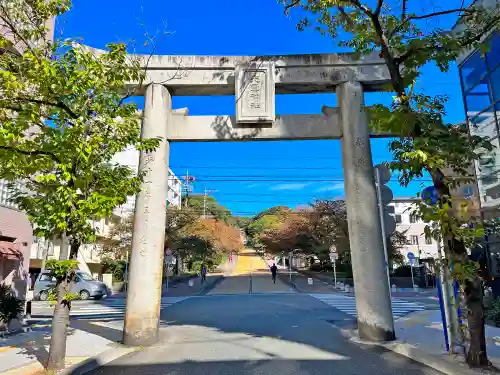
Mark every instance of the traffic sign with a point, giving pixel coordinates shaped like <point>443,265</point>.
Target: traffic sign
<point>389,223</point>
<point>387,194</point>
<point>384,173</point>
<point>410,256</point>
<point>333,249</point>
<point>334,257</point>
<point>413,261</point>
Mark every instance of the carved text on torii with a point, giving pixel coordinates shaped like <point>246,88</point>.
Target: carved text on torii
<point>255,92</point>
<point>254,95</point>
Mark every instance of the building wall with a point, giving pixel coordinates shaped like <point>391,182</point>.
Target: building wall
<point>130,158</point>
<point>480,81</point>
<point>413,229</point>
<point>15,224</point>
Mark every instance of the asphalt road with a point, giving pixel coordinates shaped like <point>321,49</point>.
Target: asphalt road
<point>258,334</point>
<point>300,284</point>
<point>248,325</point>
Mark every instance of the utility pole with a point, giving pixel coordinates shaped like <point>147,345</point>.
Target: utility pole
<point>205,201</point>
<point>187,186</point>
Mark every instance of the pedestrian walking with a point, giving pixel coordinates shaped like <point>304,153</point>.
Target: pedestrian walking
<point>274,271</point>
<point>203,273</point>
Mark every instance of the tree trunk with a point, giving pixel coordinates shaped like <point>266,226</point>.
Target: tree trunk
<point>63,249</point>
<point>476,354</point>
<point>75,246</point>
<point>60,322</point>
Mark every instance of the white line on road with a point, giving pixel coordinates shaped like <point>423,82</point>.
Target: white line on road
<point>347,304</point>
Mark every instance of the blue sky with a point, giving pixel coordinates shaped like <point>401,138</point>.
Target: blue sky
<point>256,175</point>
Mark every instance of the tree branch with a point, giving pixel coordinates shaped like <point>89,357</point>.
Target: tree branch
<point>31,153</point>
<point>464,43</point>
<point>58,104</point>
<point>403,9</point>
<point>426,16</point>
<point>380,3</point>
<point>293,4</point>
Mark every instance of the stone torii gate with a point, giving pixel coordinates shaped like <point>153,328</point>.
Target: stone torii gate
<point>254,81</point>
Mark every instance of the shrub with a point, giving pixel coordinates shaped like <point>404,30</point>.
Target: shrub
<point>10,306</point>
<point>494,311</point>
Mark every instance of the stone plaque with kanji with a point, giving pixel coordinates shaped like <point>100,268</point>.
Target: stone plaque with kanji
<point>255,93</point>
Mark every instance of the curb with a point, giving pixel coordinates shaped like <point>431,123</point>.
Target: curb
<point>441,363</point>
<point>207,288</point>
<point>97,361</point>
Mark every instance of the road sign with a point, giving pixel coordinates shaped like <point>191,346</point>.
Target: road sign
<point>334,257</point>
<point>310,281</point>
<point>413,261</point>
<point>385,173</point>
<point>410,256</point>
<point>387,194</point>
<point>333,249</point>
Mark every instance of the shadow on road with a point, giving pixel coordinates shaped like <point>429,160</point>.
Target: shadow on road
<point>258,334</point>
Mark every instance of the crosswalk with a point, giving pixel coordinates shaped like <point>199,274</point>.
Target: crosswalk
<point>347,304</point>
<point>114,308</point>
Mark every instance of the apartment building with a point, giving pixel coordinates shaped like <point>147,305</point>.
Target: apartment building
<point>413,228</point>
<point>480,83</point>
<point>130,158</point>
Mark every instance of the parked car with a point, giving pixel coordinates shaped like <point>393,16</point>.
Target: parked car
<point>85,285</point>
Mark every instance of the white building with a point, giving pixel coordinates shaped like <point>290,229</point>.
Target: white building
<point>130,158</point>
<point>413,228</point>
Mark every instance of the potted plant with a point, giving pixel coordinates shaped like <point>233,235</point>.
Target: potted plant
<point>11,307</point>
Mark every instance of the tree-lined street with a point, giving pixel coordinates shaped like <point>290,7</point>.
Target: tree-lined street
<point>69,112</point>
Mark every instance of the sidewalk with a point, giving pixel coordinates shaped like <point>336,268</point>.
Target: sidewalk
<point>327,279</point>
<point>25,353</point>
<point>424,331</point>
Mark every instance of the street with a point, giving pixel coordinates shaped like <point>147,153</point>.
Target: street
<point>248,325</point>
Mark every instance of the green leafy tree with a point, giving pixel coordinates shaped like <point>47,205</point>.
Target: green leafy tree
<point>402,37</point>
<point>63,116</point>
<point>258,227</point>
<point>117,244</point>
<point>209,205</point>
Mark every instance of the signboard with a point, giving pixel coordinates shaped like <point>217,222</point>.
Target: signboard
<point>413,261</point>
<point>410,256</point>
<point>255,99</point>
<point>384,173</point>
<point>310,281</point>
<point>334,257</point>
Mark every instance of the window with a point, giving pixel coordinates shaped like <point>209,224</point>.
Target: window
<point>413,240</point>
<point>413,219</point>
<point>47,277</point>
<point>473,70</point>
<point>495,84</point>
<point>398,219</point>
<point>484,124</point>
<point>478,98</point>
<point>493,55</point>
<point>85,276</point>
<point>467,191</point>
<point>428,241</point>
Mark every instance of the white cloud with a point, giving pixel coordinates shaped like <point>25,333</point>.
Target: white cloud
<point>294,186</point>
<point>251,186</point>
<point>335,187</point>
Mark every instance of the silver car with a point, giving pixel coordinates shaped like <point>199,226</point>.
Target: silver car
<point>84,285</point>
